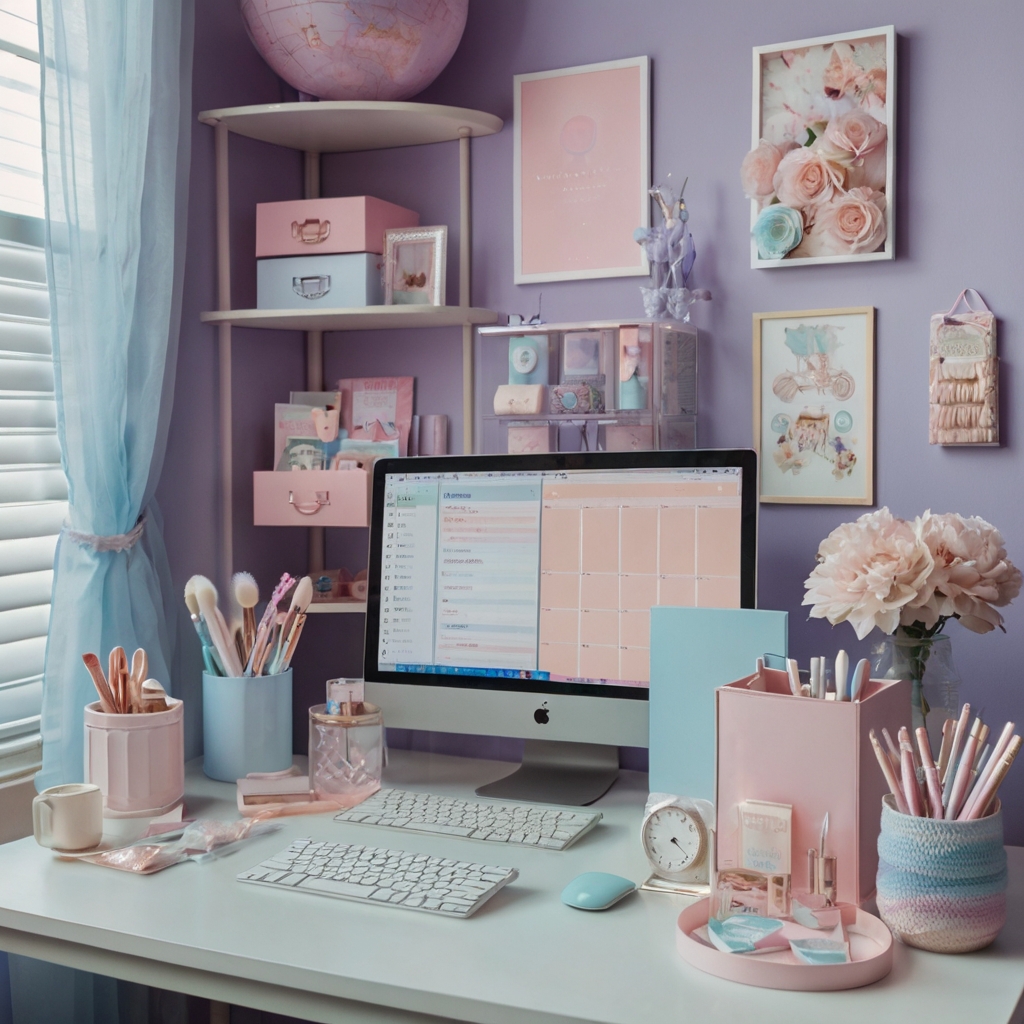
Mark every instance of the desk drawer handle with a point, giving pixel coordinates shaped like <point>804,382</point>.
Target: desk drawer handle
<point>310,508</point>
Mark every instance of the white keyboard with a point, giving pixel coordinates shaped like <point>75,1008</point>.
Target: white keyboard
<point>395,878</point>
<point>545,827</point>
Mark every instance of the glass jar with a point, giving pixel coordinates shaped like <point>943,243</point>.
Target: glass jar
<point>346,753</point>
<point>928,663</point>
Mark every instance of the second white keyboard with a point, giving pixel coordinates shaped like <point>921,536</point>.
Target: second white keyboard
<point>545,827</point>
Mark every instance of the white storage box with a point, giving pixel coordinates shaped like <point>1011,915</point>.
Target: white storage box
<point>331,281</point>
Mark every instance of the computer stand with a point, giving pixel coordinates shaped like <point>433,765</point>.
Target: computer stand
<point>559,773</point>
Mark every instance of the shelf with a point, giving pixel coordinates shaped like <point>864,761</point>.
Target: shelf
<point>625,416</point>
<point>337,608</point>
<point>347,126</point>
<point>363,318</point>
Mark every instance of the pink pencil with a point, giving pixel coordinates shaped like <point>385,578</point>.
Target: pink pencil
<point>931,773</point>
<point>910,787</point>
<point>987,795</point>
<point>958,736</point>
<point>997,752</point>
<point>947,741</point>
<point>890,775</point>
<point>963,773</point>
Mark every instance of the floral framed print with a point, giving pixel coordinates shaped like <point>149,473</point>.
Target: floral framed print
<point>414,266</point>
<point>581,171</point>
<point>814,405</point>
<point>820,172</point>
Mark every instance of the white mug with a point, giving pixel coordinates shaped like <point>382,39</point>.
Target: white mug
<point>68,817</point>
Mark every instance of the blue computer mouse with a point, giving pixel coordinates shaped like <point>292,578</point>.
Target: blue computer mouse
<point>596,890</point>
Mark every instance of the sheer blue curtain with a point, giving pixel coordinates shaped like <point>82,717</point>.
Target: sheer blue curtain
<point>116,86</point>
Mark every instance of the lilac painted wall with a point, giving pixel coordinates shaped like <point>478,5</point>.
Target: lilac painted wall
<point>958,223</point>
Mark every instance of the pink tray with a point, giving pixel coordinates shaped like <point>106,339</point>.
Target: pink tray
<point>870,947</point>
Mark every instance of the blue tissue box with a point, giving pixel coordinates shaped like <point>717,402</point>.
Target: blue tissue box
<point>330,281</point>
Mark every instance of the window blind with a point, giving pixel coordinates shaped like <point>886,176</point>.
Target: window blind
<point>33,491</point>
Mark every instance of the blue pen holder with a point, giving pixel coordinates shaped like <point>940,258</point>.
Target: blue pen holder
<point>247,725</point>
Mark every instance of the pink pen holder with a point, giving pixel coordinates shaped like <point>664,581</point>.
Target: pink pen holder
<point>814,755</point>
<point>138,761</point>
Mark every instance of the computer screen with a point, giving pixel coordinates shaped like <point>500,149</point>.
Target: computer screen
<point>538,573</point>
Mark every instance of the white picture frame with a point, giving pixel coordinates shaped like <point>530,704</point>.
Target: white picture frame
<point>763,58</point>
<point>814,402</point>
<point>414,266</point>
<point>581,171</point>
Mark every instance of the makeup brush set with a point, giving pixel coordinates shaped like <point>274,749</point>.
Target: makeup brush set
<point>245,649</point>
<point>124,691</point>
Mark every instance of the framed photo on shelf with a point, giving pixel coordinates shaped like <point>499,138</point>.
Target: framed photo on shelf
<point>414,266</point>
<point>582,171</point>
<point>820,173</point>
<point>814,423</point>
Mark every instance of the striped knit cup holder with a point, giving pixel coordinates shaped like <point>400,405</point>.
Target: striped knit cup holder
<point>942,884</point>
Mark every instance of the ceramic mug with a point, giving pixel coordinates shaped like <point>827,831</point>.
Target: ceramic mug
<point>68,817</point>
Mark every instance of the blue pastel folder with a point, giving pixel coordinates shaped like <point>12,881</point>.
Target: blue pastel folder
<point>693,652</point>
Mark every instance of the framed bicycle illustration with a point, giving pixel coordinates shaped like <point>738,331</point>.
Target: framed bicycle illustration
<point>814,424</point>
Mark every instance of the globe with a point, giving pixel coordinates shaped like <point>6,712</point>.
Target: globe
<point>356,49</point>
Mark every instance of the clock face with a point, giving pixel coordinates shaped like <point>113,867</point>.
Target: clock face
<point>674,840</point>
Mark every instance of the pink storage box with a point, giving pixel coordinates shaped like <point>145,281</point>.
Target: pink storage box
<point>311,497</point>
<point>814,755</point>
<point>138,761</point>
<point>309,227</point>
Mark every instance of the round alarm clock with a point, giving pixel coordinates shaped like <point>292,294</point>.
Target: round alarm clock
<point>676,840</point>
<point>524,359</point>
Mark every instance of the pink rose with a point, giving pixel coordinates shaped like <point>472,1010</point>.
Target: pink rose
<point>805,179</point>
<point>851,223</point>
<point>971,574</point>
<point>759,167</point>
<point>855,132</point>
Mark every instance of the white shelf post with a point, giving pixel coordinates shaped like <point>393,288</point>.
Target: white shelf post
<point>224,356</point>
<point>314,361</point>
<point>465,281</point>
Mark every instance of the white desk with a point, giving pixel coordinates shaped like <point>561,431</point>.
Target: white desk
<point>523,959</point>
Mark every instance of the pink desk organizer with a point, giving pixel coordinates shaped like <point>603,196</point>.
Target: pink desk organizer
<point>308,227</point>
<point>814,755</point>
<point>138,761</point>
<point>311,497</point>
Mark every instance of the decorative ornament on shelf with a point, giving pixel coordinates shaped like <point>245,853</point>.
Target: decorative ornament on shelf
<point>356,49</point>
<point>671,253</point>
<point>909,579</point>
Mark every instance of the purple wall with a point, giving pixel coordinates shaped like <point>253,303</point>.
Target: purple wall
<point>956,226</point>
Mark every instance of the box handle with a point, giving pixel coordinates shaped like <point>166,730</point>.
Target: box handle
<point>310,508</point>
<point>311,231</point>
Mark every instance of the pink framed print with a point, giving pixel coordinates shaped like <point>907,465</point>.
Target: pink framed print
<point>582,171</point>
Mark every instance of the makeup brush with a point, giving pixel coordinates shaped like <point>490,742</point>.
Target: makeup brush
<point>139,673</point>
<point>206,595</point>
<point>99,680</point>
<point>300,602</point>
<point>247,595</point>
<point>154,697</point>
<point>211,661</point>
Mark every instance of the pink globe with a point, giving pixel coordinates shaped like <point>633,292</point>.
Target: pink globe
<point>356,49</point>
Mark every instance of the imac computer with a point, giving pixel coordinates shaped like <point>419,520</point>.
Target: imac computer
<point>510,595</point>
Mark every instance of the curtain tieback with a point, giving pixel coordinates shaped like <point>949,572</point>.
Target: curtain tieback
<point>114,542</point>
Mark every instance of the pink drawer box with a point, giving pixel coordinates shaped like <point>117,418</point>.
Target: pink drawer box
<point>312,497</point>
<point>814,755</point>
<point>308,227</point>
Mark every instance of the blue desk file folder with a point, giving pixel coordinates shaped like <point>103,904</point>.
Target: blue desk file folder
<point>693,652</point>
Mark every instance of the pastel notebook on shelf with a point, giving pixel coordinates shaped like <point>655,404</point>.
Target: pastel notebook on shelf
<point>693,652</point>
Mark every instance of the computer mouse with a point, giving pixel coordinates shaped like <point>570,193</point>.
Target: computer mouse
<point>596,890</point>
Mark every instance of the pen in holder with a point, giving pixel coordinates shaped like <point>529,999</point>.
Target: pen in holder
<point>346,752</point>
<point>247,725</point>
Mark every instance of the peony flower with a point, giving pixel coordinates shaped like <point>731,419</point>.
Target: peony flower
<point>759,167</point>
<point>851,223</point>
<point>971,575</point>
<point>805,179</point>
<point>867,572</point>
<point>855,133</point>
<point>777,230</point>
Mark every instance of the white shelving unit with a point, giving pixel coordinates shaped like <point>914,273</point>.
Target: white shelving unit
<point>338,127</point>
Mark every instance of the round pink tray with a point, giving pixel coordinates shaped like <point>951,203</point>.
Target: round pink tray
<point>870,947</point>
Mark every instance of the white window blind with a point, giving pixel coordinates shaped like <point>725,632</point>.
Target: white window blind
<point>33,491</point>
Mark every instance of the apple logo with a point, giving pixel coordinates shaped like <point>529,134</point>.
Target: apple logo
<point>540,716</point>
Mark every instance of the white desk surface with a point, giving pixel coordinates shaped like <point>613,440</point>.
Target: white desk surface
<point>523,958</point>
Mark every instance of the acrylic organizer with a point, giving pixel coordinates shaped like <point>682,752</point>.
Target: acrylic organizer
<point>247,725</point>
<point>346,753</point>
<point>138,761</point>
<point>942,884</point>
<point>814,755</point>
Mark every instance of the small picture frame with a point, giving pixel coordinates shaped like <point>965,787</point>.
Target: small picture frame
<point>814,426</point>
<point>414,266</point>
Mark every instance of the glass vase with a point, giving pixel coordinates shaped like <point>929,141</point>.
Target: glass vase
<point>928,663</point>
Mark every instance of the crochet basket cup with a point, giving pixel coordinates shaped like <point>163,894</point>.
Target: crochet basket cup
<point>941,884</point>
